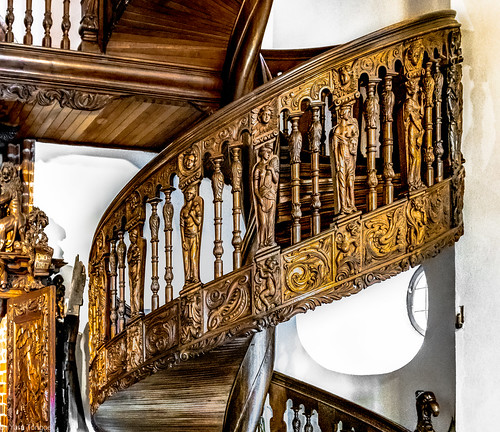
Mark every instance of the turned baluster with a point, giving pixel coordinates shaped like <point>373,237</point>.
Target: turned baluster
<point>113,263</point>
<point>217,189</point>
<point>154,226</point>
<point>296,420</point>
<point>65,25</point>
<point>295,147</point>
<point>28,22</point>
<point>438,97</point>
<point>9,21</point>
<point>428,88</point>
<point>47,24</point>
<point>308,426</point>
<point>286,117</point>
<point>372,111</point>
<point>322,149</point>
<point>237,171</point>
<point>168,214</point>
<point>121,252</point>
<point>388,99</point>
<point>315,135</point>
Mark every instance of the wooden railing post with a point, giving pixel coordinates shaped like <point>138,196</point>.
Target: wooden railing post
<point>295,147</point>
<point>218,188</point>
<point>9,21</point>
<point>168,215</point>
<point>113,262</point>
<point>372,115</point>
<point>236,175</point>
<point>28,22</point>
<point>47,24</point>
<point>65,25</point>
<point>428,88</point>
<point>121,252</point>
<point>315,137</point>
<point>154,226</point>
<point>136,255</point>
<point>388,100</point>
<point>438,98</point>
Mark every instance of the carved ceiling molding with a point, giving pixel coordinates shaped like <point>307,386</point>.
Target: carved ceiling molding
<point>74,99</point>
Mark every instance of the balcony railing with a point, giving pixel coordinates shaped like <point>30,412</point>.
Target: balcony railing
<point>346,171</point>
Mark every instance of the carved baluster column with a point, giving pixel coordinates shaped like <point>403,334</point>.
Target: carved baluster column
<point>65,26</point>
<point>308,426</point>
<point>47,24</point>
<point>168,214</point>
<point>217,188</point>
<point>322,149</point>
<point>387,137</point>
<point>9,21</point>
<point>154,226</point>
<point>286,117</point>
<point>136,268</point>
<point>113,263</point>
<point>236,171</point>
<point>28,22</point>
<point>438,97</point>
<point>372,112</point>
<point>296,423</point>
<point>121,252</point>
<point>428,88</point>
<point>315,134</point>
<point>89,26</point>
<point>295,147</point>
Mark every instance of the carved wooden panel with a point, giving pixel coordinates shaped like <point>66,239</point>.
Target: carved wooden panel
<point>116,357</point>
<point>191,319</point>
<point>30,360</point>
<point>162,330</point>
<point>135,345</point>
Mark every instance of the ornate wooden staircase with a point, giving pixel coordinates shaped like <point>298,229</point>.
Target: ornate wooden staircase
<point>345,171</point>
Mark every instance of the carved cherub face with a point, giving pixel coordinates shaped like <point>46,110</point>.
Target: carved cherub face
<point>7,172</point>
<point>414,54</point>
<point>345,75</point>
<point>189,161</point>
<point>265,115</point>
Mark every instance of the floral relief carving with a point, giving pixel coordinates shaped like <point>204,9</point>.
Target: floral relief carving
<point>308,268</point>
<point>191,325</point>
<point>229,302</point>
<point>116,358</point>
<point>162,332</point>
<point>438,212</point>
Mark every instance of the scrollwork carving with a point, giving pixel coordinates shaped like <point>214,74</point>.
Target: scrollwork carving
<point>345,85</point>
<point>162,332</point>
<point>228,303</point>
<point>191,325</point>
<point>348,254</point>
<point>189,166</point>
<point>116,358</point>
<point>416,214</point>
<point>311,89</point>
<point>135,346</point>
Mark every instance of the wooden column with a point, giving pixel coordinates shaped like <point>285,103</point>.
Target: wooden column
<point>372,112</point>
<point>65,26</point>
<point>236,173</point>
<point>315,135</point>
<point>295,147</point>
<point>121,252</point>
<point>154,226</point>
<point>28,22</point>
<point>218,188</point>
<point>438,98</point>
<point>428,87</point>
<point>388,99</point>
<point>168,214</point>
<point>47,24</point>
<point>9,21</point>
<point>113,263</point>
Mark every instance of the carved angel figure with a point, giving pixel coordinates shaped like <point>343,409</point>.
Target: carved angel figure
<point>265,188</point>
<point>413,112</point>
<point>344,149</point>
<point>14,220</point>
<point>191,227</point>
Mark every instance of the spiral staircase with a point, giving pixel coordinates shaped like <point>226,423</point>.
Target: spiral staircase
<point>344,171</point>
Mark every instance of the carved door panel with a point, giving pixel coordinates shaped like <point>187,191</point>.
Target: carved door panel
<point>30,361</point>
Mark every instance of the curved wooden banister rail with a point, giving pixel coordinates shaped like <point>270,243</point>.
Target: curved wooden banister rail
<point>392,202</point>
<point>330,410</point>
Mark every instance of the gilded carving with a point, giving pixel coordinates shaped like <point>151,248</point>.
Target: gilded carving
<point>162,332</point>
<point>388,100</point>
<point>385,236</point>
<point>135,346</point>
<point>266,287</point>
<point>189,167</point>
<point>345,85</point>
<point>348,254</point>
<point>265,176</point>
<point>344,150</point>
<point>438,212</point>
<point>135,261</point>
<point>311,90</point>
<point>416,214</point>
<point>229,302</point>
<point>308,268</point>
<point>191,325</point>
<point>116,359</point>
<point>454,108</point>
<point>191,223</point>
<point>264,123</point>
<point>386,58</point>
<point>13,221</point>
<point>427,407</point>
<point>135,211</point>
<point>458,189</point>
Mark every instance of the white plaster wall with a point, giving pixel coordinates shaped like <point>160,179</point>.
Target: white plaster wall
<point>477,253</point>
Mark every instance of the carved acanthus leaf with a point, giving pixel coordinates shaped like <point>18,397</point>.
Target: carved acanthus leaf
<point>311,90</point>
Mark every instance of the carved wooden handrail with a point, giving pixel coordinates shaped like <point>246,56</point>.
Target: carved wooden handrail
<point>320,406</point>
<point>345,135</point>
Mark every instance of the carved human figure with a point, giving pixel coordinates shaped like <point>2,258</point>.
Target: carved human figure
<point>454,92</point>
<point>413,112</point>
<point>263,118</point>
<point>265,188</point>
<point>344,148</point>
<point>266,274</point>
<point>427,407</point>
<point>14,220</point>
<point>134,258</point>
<point>191,228</point>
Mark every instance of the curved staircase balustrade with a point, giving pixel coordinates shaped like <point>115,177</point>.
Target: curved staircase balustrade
<point>395,103</point>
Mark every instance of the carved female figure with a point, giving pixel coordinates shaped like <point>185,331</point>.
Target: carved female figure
<point>265,188</point>
<point>10,197</point>
<point>191,227</point>
<point>413,112</point>
<point>344,148</point>
<point>134,258</point>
